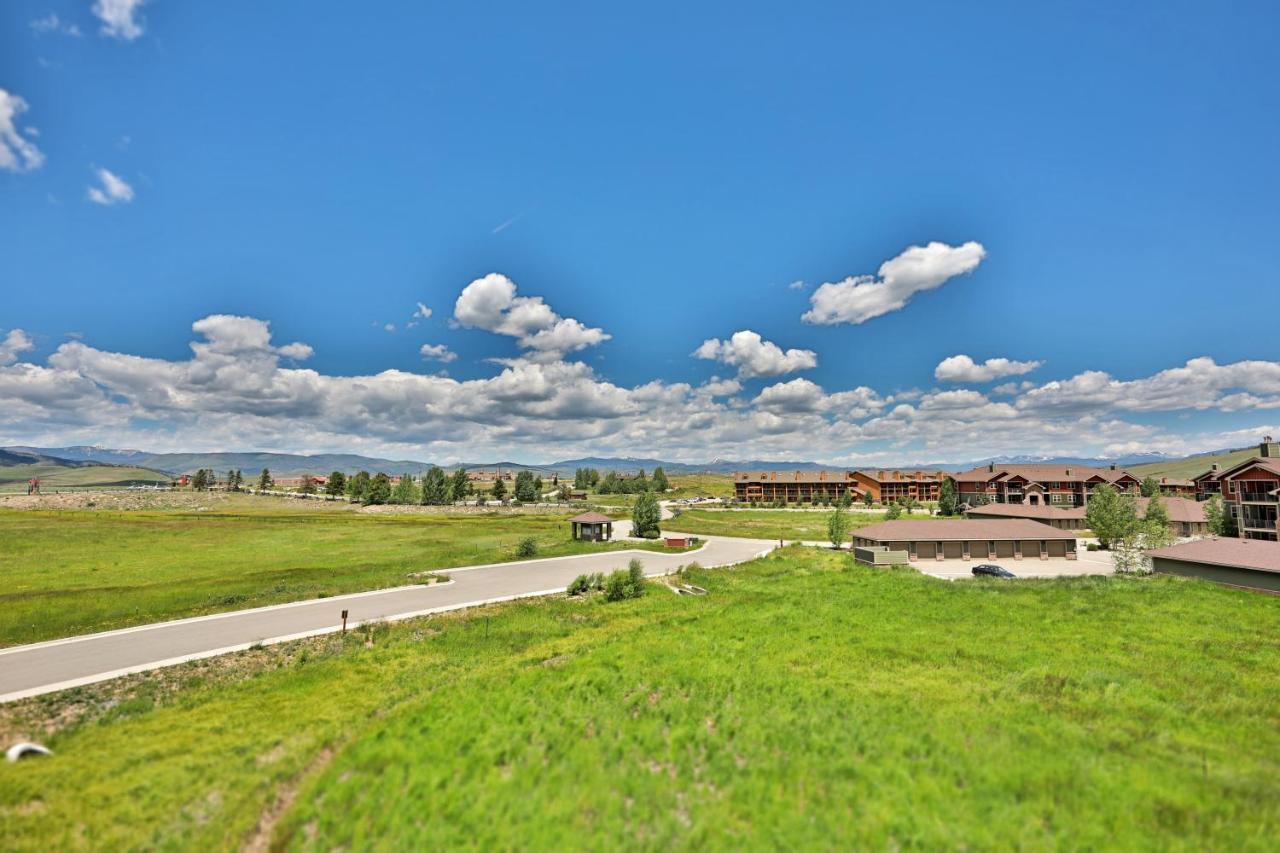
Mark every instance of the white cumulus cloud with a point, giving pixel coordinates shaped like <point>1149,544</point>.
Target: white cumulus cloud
<point>17,152</point>
<point>962,368</point>
<point>490,303</point>
<point>860,298</point>
<point>119,18</point>
<point>437,352</point>
<point>14,344</point>
<point>754,356</point>
<point>113,189</point>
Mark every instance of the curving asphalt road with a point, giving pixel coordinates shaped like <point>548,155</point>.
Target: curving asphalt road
<point>59,664</point>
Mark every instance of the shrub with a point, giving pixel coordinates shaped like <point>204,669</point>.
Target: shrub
<point>635,574</point>
<point>527,548</point>
<point>1092,546</point>
<point>615,587</point>
<point>580,585</point>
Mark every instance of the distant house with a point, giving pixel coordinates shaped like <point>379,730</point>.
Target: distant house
<point>1055,485</point>
<point>964,539</point>
<point>1250,563</point>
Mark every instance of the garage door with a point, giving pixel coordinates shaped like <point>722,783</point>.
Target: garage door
<point>978,550</point>
<point>926,550</point>
<point>953,550</point>
<point>1030,549</point>
<point>1057,547</point>
<point>1004,548</point>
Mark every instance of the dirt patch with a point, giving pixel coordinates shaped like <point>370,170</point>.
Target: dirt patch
<point>260,839</point>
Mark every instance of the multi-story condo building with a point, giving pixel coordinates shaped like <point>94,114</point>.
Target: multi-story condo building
<point>889,486</point>
<point>794,486</point>
<point>1252,491</point>
<point>1051,485</point>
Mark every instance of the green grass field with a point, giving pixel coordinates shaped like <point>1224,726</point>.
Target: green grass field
<point>1194,467</point>
<point>804,703</point>
<point>789,525</point>
<point>74,572</point>
<point>13,478</point>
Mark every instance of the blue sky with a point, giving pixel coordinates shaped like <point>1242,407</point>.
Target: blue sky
<point>665,175</point>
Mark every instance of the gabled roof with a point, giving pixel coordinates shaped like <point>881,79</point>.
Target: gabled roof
<point>1272,465</point>
<point>1180,510</point>
<point>1042,473</point>
<point>591,518</point>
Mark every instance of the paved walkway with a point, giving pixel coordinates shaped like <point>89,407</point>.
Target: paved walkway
<point>59,664</point>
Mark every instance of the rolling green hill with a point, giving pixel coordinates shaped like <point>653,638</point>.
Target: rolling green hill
<point>1193,466</point>
<point>61,476</point>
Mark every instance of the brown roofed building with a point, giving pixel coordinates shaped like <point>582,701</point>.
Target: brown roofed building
<point>794,486</point>
<point>964,539</point>
<point>889,486</point>
<point>1252,491</point>
<point>1186,517</point>
<point>1055,485</point>
<point>1238,562</point>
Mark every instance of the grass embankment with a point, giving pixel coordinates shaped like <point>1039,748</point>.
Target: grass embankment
<point>789,525</point>
<point>682,486</point>
<point>80,571</point>
<point>805,702</point>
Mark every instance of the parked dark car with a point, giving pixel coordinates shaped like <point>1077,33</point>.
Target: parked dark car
<point>991,570</point>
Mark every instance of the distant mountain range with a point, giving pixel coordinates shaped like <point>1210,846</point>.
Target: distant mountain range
<point>290,464</point>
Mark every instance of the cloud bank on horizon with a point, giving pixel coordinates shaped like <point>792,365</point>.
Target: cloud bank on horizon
<point>239,387</point>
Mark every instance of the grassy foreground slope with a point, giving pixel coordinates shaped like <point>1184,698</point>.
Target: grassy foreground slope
<point>75,572</point>
<point>804,702</point>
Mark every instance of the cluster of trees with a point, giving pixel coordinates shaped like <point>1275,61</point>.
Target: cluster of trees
<point>1221,521</point>
<point>1113,517</point>
<point>434,488</point>
<point>613,484</point>
<point>586,479</point>
<point>235,481</point>
<point>619,585</point>
<point>204,480</point>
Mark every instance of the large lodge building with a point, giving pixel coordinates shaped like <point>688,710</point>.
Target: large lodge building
<point>1038,485</point>
<point>809,486</point>
<point>1251,491</point>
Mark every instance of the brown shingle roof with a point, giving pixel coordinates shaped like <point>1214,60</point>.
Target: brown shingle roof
<point>1179,510</point>
<point>1272,465</point>
<point>1237,553</point>
<point>1040,473</point>
<point>953,529</point>
<point>591,518</point>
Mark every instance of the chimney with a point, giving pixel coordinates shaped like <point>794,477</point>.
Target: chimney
<point>1215,467</point>
<point>991,467</point>
<point>1113,466</point>
<point>1268,448</point>
<point>1068,473</point>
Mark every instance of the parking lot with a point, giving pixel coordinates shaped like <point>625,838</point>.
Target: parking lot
<point>1087,563</point>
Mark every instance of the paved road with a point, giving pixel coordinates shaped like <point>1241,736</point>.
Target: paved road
<point>59,664</point>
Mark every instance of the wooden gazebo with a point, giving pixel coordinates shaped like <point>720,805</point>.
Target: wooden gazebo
<point>591,526</point>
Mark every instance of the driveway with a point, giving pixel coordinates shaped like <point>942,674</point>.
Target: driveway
<point>60,664</point>
<point>1086,563</point>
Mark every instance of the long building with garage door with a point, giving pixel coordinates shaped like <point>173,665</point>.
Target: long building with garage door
<point>969,539</point>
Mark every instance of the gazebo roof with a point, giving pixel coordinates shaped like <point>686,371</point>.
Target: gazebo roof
<point>591,518</point>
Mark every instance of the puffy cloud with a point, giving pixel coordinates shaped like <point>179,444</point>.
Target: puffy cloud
<point>1200,384</point>
<point>51,23</point>
<point>860,298</point>
<point>17,152</point>
<point>420,313</point>
<point>754,356</point>
<point>13,345</point>
<point>239,389</point>
<point>437,352</point>
<point>962,368</point>
<point>114,189</point>
<point>119,18</point>
<point>491,303</point>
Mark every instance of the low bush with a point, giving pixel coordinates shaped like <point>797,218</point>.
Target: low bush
<point>1092,546</point>
<point>579,585</point>
<point>527,548</point>
<point>623,584</point>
